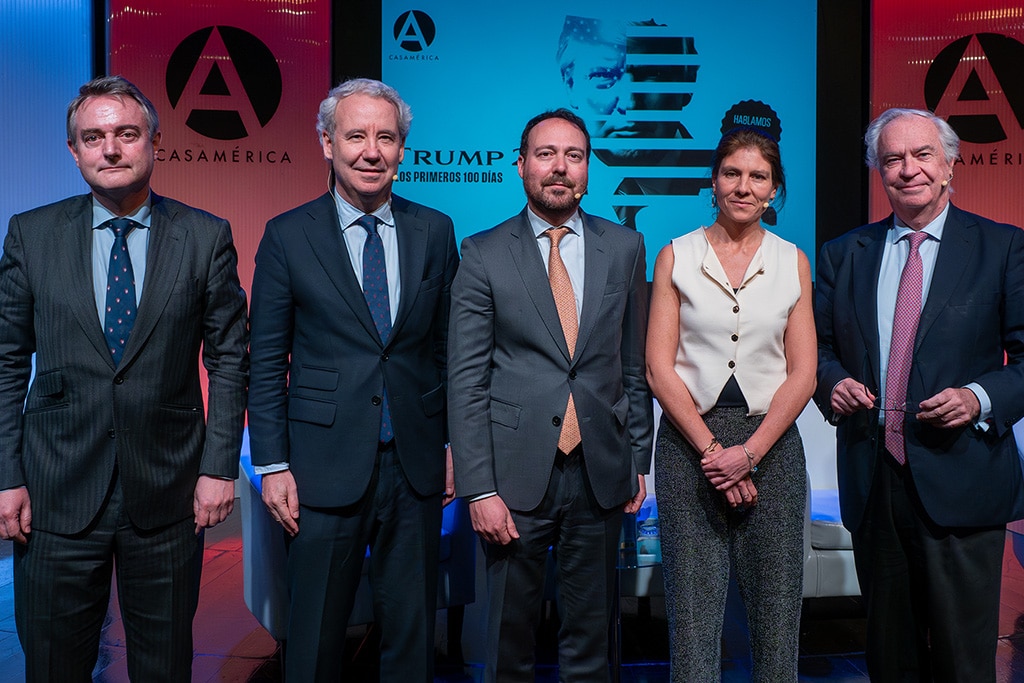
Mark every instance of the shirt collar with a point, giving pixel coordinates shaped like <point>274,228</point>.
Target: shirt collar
<point>348,214</point>
<point>933,230</point>
<point>539,225</point>
<point>142,215</point>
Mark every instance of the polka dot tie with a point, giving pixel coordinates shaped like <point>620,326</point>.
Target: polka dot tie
<point>565,302</point>
<point>901,352</point>
<point>375,289</point>
<point>120,309</point>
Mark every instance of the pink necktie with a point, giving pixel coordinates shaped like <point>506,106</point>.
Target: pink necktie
<point>565,302</point>
<point>901,352</point>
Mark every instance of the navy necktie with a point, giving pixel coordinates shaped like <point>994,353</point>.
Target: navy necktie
<point>375,289</point>
<point>120,309</point>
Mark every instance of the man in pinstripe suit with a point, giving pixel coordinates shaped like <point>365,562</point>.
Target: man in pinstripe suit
<point>111,457</point>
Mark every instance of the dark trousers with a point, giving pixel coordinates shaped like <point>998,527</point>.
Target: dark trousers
<point>584,538</point>
<point>325,562</point>
<point>932,593</point>
<point>62,590</point>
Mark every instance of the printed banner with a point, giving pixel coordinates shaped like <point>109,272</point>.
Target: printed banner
<point>237,85</point>
<point>961,60</point>
<point>657,83</point>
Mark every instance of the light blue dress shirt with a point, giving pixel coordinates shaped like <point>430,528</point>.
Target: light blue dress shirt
<point>103,240</point>
<point>570,248</point>
<point>355,239</point>
<point>894,257</point>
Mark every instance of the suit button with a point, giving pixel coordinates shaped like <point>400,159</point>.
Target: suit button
<point>375,400</point>
<point>735,309</point>
<point>111,433</point>
<point>557,421</point>
<point>119,380</point>
<point>732,364</point>
<point>735,337</point>
<point>572,374</point>
<point>384,357</point>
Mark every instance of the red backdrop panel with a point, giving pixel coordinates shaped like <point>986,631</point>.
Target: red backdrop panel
<point>961,60</point>
<point>237,84</point>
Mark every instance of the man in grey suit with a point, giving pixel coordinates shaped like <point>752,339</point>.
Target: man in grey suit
<point>110,458</point>
<point>550,414</point>
<point>346,412</point>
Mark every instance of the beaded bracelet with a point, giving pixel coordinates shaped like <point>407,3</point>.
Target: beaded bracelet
<point>750,459</point>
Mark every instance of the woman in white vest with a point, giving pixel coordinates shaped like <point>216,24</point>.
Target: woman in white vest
<point>731,357</point>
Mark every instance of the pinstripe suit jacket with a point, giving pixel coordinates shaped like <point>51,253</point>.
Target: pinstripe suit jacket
<point>83,416</point>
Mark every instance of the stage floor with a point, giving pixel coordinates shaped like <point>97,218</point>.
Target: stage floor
<point>231,646</point>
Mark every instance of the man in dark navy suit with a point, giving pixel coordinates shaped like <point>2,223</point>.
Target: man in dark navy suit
<point>347,402</point>
<point>915,315</point>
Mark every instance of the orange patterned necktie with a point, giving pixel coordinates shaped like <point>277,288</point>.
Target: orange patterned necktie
<point>565,302</point>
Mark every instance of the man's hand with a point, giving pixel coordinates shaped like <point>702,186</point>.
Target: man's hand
<point>281,497</point>
<point>213,501</point>
<point>15,515</point>
<point>950,408</point>
<point>849,396</point>
<point>449,478</point>
<point>492,520</point>
<point>634,503</point>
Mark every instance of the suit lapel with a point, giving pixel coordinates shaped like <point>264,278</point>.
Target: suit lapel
<point>77,267</point>
<point>163,263</point>
<point>527,260</point>
<point>955,249</point>
<point>323,231</point>
<point>869,260</point>
<point>412,249</point>
<point>595,278</point>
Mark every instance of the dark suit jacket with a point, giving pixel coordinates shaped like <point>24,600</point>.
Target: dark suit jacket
<point>83,415</point>
<point>974,313</point>
<point>319,367</point>
<point>510,373</point>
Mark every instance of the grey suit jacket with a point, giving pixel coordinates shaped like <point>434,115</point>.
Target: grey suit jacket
<point>974,313</point>
<point>510,372</point>
<point>319,365</point>
<point>83,416</point>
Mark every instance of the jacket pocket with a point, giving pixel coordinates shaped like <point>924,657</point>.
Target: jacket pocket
<point>505,414</point>
<point>312,411</point>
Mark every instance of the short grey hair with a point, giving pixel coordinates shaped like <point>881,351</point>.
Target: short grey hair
<point>363,86</point>
<point>947,136</point>
<point>117,87</point>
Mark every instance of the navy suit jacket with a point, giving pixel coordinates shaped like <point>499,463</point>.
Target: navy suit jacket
<point>973,315</point>
<point>511,372</point>
<point>319,366</point>
<point>82,415</point>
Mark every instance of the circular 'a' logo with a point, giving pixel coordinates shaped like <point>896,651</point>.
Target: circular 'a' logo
<point>228,80</point>
<point>414,31</point>
<point>975,79</point>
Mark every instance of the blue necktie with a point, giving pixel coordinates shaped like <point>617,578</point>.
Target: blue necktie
<point>375,289</point>
<point>120,309</point>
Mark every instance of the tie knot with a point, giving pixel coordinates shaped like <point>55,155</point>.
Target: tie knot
<point>556,234</point>
<point>368,222</point>
<point>121,226</point>
<point>916,238</point>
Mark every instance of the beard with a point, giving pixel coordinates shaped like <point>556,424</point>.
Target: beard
<point>563,200</point>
